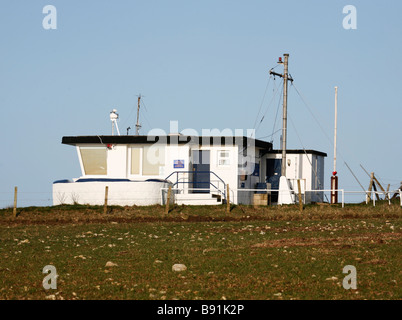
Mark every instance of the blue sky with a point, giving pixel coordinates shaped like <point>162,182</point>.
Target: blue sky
<point>204,64</point>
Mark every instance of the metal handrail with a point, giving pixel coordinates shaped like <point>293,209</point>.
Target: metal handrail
<point>177,179</point>
<point>177,172</point>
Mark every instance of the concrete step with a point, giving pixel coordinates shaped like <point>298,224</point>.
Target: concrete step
<point>198,199</point>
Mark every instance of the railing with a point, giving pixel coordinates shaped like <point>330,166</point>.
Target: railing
<point>178,181</point>
<point>342,191</point>
<point>373,194</point>
<point>295,193</point>
<point>270,191</point>
<point>330,190</point>
<point>96,197</point>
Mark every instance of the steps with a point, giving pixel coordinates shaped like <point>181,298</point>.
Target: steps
<point>198,199</point>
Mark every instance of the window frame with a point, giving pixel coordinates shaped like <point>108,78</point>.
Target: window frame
<point>83,162</point>
<point>228,158</point>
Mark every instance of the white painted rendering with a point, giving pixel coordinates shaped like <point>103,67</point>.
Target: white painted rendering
<point>120,193</point>
<point>196,199</point>
<point>117,162</point>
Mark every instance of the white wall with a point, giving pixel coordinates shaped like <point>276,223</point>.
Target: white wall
<point>178,152</point>
<point>117,162</point>
<point>119,193</point>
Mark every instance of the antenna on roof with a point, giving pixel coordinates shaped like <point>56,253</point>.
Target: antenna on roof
<point>138,126</point>
<point>113,117</point>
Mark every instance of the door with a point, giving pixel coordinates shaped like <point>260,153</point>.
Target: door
<point>274,169</point>
<point>201,171</point>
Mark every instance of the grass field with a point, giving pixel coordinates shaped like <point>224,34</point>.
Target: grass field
<point>249,253</point>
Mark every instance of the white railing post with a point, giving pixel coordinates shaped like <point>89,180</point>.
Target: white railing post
<point>373,194</point>
<point>343,198</point>
<point>400,196</point>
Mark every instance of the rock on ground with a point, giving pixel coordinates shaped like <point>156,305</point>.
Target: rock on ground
<point>110,264</point>
<point>179,267</point>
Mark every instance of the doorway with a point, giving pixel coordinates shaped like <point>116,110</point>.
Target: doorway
<point>274,169</point>
<point>201,171</point>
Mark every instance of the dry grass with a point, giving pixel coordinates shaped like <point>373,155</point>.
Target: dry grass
<point>249,253</point>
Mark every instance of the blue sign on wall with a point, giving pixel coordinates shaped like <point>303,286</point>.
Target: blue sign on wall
<point>178,164</point>
<point>256,172</point>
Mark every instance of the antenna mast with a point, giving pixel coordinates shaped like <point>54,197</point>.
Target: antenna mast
<point>285,195</point>
<point>334,178</point>
<point>138,126</point>
<point>335,131</point>
<point>286,77</point>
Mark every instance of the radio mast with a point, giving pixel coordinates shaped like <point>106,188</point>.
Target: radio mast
<point>286,78</point>
<point>285,195</point>
<point>138,126</point>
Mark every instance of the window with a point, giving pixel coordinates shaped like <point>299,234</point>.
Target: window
<point>223,158</point>
<point>94,160</point>
<point>153,160</point>
<point>135,160</point>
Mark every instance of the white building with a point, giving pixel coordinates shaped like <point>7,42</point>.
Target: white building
<point>139,169</point>
<point>306,165</point>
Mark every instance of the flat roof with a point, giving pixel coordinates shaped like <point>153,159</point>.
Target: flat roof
<point>169,139</point>
<point>299,151</point>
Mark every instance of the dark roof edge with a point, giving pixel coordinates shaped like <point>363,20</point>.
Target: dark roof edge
<point>206,140</point>
<point>295,151</point>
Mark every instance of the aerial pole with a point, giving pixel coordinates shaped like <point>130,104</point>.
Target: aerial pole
<point>138,126</point>
<point>285,196</point>
<point>286,78</point>
<point>334,178</point>
<point>285,113</point>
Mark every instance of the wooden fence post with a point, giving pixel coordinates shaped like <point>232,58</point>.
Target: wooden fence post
<point>227,199</point>
<point>169,194</point>
<point>300,195</point>
<point>15,202</point>
<point>382,189</point>
<point>106,196</point>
